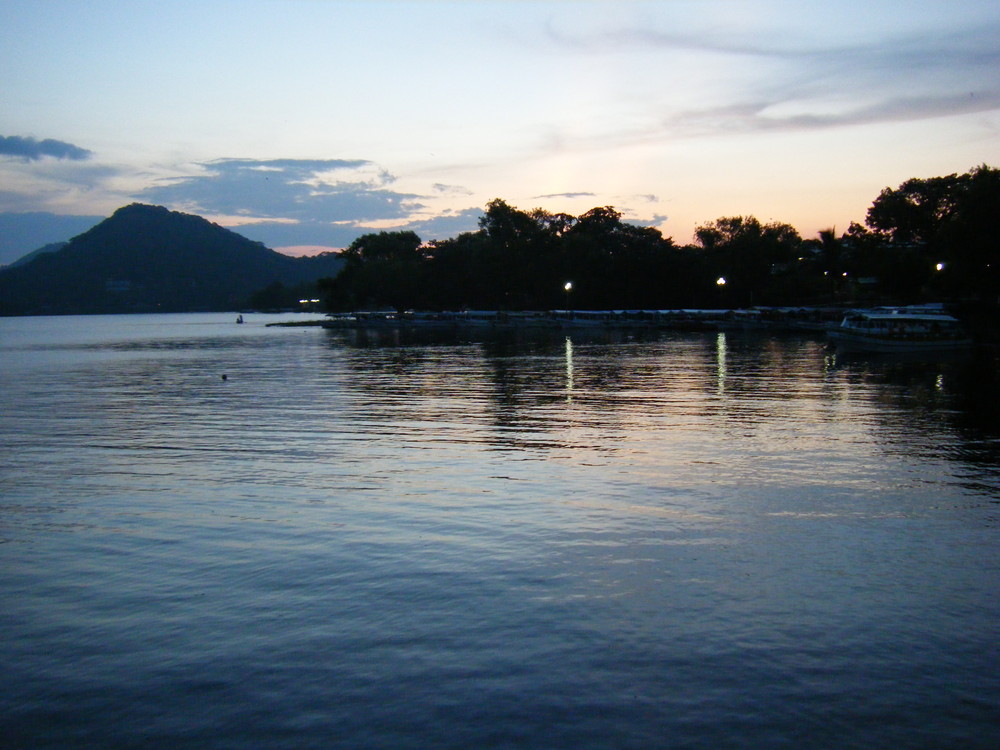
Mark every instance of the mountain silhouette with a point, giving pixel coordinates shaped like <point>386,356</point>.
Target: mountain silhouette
<point>150,259</point>
<point>50,248</point>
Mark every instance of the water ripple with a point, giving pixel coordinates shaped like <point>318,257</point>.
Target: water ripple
<point>689,540</point>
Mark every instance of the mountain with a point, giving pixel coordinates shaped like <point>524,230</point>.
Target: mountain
<point>20,233</point>
<point>149,259</point>
<point>50,248</point>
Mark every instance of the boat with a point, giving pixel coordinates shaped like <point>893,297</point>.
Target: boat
<point>899,329</point>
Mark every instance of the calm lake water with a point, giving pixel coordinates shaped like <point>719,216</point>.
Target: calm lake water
<point>678,541</point>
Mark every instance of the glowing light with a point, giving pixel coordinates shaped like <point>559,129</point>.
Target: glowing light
<point>721,281</point>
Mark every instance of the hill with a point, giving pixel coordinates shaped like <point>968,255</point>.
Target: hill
<point>150,259</point>
<point>50,248</point>
<point>23,232</point>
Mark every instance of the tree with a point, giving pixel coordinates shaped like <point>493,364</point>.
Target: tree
<point>456,277</point>
<point>508,226</point>
<point>385,246</point>
<point>969,242</point>
<point>383,268</point>
<point>915,212</point>
<point>747,253</point>
<point>951,221</point>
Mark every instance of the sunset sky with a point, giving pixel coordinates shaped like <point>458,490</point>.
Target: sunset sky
<point>309,122</point>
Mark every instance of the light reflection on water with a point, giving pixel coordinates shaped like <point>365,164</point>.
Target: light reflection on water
<point>381,540</point>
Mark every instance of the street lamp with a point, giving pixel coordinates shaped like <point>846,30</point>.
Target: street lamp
<point>568,287</point>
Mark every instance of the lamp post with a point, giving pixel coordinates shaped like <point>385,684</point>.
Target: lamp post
<point>567,287</point>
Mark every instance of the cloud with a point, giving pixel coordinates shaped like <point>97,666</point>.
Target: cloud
<point>792,115</point>
<point>655,221</point>
<point>306,190</point>
<point>450,189</point>
<point>341,234</point>
<point>798,83</point>
<point>294,202</point>
<point>564,195</point>
<point>913,77</point>
<point>961,44</point>
<point>30,149</point>
<point>447,224</point>
<point>59,186</point>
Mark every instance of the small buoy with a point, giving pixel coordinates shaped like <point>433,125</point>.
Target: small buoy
<point>225,377</point>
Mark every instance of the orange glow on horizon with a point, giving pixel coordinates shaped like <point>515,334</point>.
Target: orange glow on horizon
<point>302,251</point>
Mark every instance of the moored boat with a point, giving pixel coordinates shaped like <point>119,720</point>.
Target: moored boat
<point>900,329</point>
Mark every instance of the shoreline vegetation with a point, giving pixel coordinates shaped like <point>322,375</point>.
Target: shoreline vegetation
<point>930,240</point>
<point>927,241</point>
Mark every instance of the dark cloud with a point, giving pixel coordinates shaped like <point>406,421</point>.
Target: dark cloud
<point>326,190</point>
<point>448,224</point>
<point>326,202</point>
<point>30,149</point>
<point>655,221</point>
<point>284,234</point>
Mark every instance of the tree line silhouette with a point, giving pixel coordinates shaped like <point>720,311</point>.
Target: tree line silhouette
<point>928,239</point>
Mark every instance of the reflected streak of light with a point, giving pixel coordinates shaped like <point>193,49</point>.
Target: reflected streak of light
<point>720,354</point>
<point>569,369</point>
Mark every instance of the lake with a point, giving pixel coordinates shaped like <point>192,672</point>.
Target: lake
<point>675,540</point>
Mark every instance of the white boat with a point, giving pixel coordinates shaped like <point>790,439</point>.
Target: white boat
<point>900,329</point>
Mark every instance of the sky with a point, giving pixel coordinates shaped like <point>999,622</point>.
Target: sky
<point>306,123</point>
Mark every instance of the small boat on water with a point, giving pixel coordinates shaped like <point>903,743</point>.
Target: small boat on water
<point>899,329</point>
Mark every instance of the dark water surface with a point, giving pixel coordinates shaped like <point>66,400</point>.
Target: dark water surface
<point>684,541</point>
